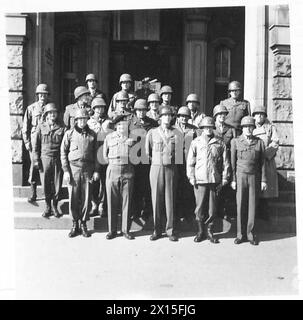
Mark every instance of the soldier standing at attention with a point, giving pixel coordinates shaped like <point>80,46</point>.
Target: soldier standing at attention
<point>91,83</point>
<point>80,166</point>
<point>266,131</point>
<point>121,106</point>
<point>227,196</point>
<point>125,82</point>
<point>31,120</point>
<point>249,179</point>
<point>192,102</point>
<point>166,95</point>
<point>46,155</point>
<point>164,147</point>
<point>119,177</point>
<point>185,194</point>
<point>139,126</point>
<point>153,104</point>
<point>237,107</point>
<point>100,125</point>
<point>82,97</point>
<point>207,169</point>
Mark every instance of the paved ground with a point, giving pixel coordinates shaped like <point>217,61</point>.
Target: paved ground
<point>49,265</point>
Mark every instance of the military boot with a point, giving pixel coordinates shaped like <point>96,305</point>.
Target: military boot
<point>55,209</point>
<point>83,229</point>
<point>74,230</point>
<point>48,210</point>
<point>200,235</point>
<point>33,197</point>
<point>210,235</point>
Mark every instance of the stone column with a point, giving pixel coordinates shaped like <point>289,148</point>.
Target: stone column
<point>195,55</point>
<point>15,39</point>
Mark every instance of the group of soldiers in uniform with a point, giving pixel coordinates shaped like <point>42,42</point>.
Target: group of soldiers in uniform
<point>140,156</point>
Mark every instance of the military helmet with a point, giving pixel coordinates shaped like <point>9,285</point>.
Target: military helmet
<point>80,91</point>
<point>259,109</point>
<point>166,89</point>
<point>183,111</point>
<point>81,113</point>
<point>50,107</point>
<point>122,95</point>
<point>42,88</point>
<point>153,97</point>
<point>207,122</point>
<point>125,77</point>
<point>234,85</point>
<point>219,108</point>
<point>98,102</point>
<point>140,104</point>
<point>165,110</point>
<point>248,121</point>
<point>192,97</point>
<point>91,76</point>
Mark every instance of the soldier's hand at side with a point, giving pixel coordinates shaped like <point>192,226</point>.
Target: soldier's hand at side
<point>96,176</point>
<point>193,182</point>
<point>66,177</point>
<point>224,182</point>
<point>28,146</point>
<point>233,185</point>
<point>263,186</point>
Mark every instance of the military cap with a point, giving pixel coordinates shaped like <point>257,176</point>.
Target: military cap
<point>259,109</point>
<point>153,97</point>
<point>42,88</point>
<point>192,97</point>
<point>140,104</point>
<point>166,89</point>
<point>98,102</point>
<point>81,113</point>
<point>234,85</point>
<point>91,76</point>
<point>183,111</point>
<point>248,121</point>
<point>80,91</point>
<point>207,122</point>
<point>165,110</point>
<point>50,107</point>
<point>219,108</point>
<point>121,95</point>
<point>125,77</point>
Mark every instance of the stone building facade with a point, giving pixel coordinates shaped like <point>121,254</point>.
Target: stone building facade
<point>195,50</point>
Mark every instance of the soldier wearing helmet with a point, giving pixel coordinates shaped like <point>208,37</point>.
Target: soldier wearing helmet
<point>91,83</point>
<point>267,131</point>
<point>122,99</point>
<point>32,117</point>
<point>101,125</point>
<point>153,104</point>
<point>193,103</point>
<point>248,178</point>
<point>145,91</point>
<point>185,195</point>
<point>166,96</point>
<point>207,169</point>
<point>81,166</point>
<point>125,82</point>
<point>82,99</point>
<point>46,156</point>
<point>237,107</point>
<point>139,126</point>
<point>164,147</point>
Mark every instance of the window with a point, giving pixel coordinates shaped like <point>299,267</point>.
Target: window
<point>222,68</point>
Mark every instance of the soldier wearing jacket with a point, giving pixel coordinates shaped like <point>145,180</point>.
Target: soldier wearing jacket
<point>121,99</point>
<point>91,83</point>
<point>237,107</point>
<point>32,118</point>
<point>80,166</point>
<point>164,147</point>
<point>192,102</point>
<point>82,97</point>
<point>207,169</point>
<point>166,95</point>
<point>139,126</point>
<point>119,177</point>
<point>153,104</point>
<point>185,194</point>
<point>248,178</point>
<point>46,156</point>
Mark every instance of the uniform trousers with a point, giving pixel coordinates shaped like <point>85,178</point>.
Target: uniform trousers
<point>99,190</point>
<point>248,186</point>
<point>206,201</point>
<point>33,177</point>
<point>80,192</point>
<point>163,183</point>
<point>119,189</point>
<point>51,178</point>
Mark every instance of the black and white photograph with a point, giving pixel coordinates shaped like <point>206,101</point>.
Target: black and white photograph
<point>151,151</point>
